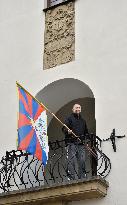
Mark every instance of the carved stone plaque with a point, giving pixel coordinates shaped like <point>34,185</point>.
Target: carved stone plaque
<point>59,42</point>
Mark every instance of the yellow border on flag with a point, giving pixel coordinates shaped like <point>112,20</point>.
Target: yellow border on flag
<point>17,117</point>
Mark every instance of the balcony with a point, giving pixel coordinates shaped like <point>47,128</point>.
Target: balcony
<point>22,180</point>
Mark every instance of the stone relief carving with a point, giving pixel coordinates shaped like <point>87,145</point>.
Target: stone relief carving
<point>59,42</point>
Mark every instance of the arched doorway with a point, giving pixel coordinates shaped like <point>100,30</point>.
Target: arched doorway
<point>59,97</point>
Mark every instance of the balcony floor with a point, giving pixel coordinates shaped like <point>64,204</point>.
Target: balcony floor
<point>58,194</point>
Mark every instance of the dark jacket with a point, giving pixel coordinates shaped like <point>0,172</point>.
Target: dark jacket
<point>78,125</point>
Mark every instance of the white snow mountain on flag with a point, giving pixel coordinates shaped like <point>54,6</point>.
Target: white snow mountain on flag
<point>40,126</point>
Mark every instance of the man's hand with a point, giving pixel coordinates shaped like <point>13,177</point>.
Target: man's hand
<point>69,132</point>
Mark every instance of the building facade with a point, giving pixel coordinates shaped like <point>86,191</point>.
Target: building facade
<point>65,52</point>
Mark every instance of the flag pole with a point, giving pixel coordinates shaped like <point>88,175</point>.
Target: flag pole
<point>74,135</point>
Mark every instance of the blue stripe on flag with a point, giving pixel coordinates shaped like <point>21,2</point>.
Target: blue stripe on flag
<point>32,146</point>
<point>44,157</point>
<point>34,107</point>
<point>23,110</point>
<point>23,94</point>
<point>23,132</point>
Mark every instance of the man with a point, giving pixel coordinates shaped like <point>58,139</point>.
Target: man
<point>75,148</point>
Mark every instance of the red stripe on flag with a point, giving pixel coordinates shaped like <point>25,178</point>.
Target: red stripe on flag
<point>23,101</point>
<point>39,111</point>
<point>23,120</point>
<point>29,98</point>
<point>26,141</point>
<point>38,152</point>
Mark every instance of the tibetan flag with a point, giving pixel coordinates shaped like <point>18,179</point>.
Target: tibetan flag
<point>32,126</point>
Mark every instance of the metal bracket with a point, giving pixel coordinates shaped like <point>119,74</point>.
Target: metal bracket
<point>113,139</point>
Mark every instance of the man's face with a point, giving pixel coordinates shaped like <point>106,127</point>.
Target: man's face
<point>76,108</point>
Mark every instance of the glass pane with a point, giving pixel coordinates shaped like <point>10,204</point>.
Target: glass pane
<point>55,2</point>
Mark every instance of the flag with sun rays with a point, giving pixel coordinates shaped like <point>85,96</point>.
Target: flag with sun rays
<point>32,126</point>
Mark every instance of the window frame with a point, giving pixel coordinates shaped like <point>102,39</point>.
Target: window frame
<point>48,4</point>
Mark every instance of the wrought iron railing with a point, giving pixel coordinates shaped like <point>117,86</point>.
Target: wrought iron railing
<point>19,170</point>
